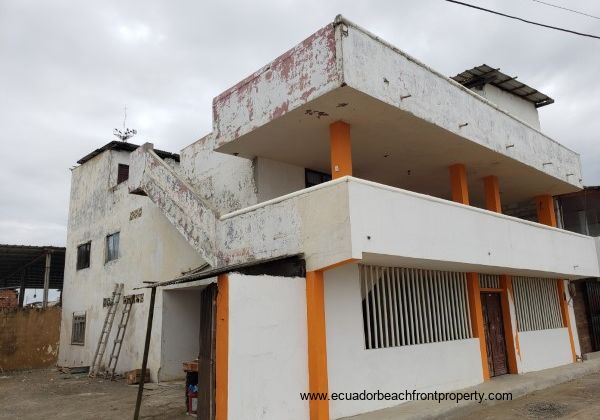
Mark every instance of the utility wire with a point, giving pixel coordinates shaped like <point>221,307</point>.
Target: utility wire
<point>567,9</point>
<point>523,20</point>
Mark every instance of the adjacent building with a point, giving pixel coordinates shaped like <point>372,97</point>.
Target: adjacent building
<point>344,227</point>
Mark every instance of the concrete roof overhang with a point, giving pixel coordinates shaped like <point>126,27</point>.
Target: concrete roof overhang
<point>409,123</point>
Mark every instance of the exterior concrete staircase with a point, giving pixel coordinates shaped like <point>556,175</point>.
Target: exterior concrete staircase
<point>153,177</point>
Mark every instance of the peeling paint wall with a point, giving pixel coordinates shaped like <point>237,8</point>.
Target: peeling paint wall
<point>150,249</point>
<point>29,338</point>
<point>225,181</point>
<point>296,77</point>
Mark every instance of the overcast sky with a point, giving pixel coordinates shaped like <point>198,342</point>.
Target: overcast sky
<point>67,68</point>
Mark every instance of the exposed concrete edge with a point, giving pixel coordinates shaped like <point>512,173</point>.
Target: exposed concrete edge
<point>518,385</point>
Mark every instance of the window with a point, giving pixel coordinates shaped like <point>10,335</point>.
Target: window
<point>83,255</point>
<point>536,304</point>
<point>122,173</point>
<point>78,329</point>
<point>112,247</point>
<point>312,178</point>
<point>407,306</point>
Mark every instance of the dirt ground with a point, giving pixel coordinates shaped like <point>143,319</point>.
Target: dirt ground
<point>577,399</point>
<point>49,394</point>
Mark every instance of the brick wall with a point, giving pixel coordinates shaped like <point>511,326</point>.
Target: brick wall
<point>29,337</point>
<point>9,298</point>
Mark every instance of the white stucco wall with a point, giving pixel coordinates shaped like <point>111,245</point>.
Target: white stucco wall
<point>267,348</point>
<point>433,233</point>
<point>274,179</point>
<point>150,250</point>
<point>429,367</point>
<point>520,108</point>
<point>544,349</point>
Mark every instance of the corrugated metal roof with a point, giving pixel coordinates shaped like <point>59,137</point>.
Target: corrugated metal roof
<point>26,262</point>
<point>128,147</point>
<point>484,74</point>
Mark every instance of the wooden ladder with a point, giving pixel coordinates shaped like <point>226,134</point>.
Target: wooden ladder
<point>106,328</point>
<point>118,343</point>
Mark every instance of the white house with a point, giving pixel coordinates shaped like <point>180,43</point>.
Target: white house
<point>348,210</point>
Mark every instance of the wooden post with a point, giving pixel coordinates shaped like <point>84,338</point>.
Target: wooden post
<point>138,402</point>
<point>46,279</point>
<point>22,288</point>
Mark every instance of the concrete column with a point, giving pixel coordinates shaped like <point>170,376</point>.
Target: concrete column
<point>493,203</point>
<point>492,194</point>
<point>458,182</point>
<point>460,194</point>
<point>317,347</point>
<point>547,216</point>
<point>341,149</point>
<point>545,209</point>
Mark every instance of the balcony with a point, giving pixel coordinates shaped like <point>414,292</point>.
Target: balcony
<point>353,218</point>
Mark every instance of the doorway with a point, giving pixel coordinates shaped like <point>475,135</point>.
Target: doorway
<point>491,306</point>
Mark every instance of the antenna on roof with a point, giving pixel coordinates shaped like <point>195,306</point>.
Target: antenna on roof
<point>125,133</point>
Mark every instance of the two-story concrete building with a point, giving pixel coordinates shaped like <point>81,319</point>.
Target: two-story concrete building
<point>348,206</point>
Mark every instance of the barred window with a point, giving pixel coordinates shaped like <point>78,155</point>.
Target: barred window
<point>489,281</point>
<point>112,247</point>
<point>407,306</point>
<point>83,255</point>
<point>536,303</point>
<point>78,329</point>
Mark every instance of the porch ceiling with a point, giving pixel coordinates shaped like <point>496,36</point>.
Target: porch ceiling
<point>392,147</point>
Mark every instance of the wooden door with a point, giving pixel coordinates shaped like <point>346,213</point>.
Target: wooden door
<point>494,333</point>
<point>206,357</point>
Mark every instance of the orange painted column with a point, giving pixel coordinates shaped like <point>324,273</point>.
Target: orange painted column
<point>458,182</point>
<point>317,343</point>
<point>546,215</point>
<point>460,194</point>
<point>545,210</point>
<point>492,194</point>
<point>512,344</point>
<point>564,311</point>
<point>493,203</point>
<point>341,149</point>
<point>476,313</point>
<point>222,348</point>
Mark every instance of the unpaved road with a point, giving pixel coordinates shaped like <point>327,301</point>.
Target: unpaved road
<point>577,399</point>
<point>48,394</point>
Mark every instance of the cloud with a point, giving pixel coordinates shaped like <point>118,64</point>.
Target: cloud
<point>69,67</point>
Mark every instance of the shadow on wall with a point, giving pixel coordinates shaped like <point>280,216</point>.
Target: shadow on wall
<point>29,338</point>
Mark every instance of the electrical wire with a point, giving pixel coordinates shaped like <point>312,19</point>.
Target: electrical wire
<point>523,20</point>
<point>567,9</point>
